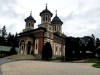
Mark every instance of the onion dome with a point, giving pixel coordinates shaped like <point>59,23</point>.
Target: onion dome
<point>30,18</point>
<point>56,20</point>
<point>46,11</point>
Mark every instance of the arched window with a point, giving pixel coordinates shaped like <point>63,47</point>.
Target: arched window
<point>29,47</point>
<point>29,24</point>
<point>22,47</point>
<point>36,46</point>
<point>55,28</point>
<point>46,18</point>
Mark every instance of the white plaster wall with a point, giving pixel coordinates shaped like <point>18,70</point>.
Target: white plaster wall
<point>36,50</point>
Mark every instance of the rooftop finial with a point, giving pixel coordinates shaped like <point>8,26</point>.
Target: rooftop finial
<point>31,13</point>
<point>56,12</point>
<point>46,5</point>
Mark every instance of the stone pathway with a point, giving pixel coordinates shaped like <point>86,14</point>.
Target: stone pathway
<point>2,61</point>
<point>27,67</point>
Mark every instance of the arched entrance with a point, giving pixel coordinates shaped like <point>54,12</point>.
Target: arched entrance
<point>22,46</point>
<point>29,47</point>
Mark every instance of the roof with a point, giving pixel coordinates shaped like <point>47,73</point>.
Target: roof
<point>46,11</point>
<point>30,18</point>
<point>32,30</point>
<point>60,35</point>
<point>7,48</point>
<point>56,20</point>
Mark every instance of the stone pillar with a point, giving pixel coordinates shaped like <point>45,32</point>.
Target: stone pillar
<point>25,49</point>
<point>19,50</point>
<point>31,50</point>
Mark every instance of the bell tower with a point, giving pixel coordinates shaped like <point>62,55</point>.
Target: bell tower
<point>46,15</point>
<point>29,22</point>
<point>57,24</point>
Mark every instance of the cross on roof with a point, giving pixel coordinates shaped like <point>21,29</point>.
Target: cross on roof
<point>30,13</point>
<point>46,5</point>
<point>56,12</point>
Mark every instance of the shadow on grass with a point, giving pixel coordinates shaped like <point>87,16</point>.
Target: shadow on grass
<point>96,65</point>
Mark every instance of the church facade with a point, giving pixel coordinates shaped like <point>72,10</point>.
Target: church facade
<point>31,41</point>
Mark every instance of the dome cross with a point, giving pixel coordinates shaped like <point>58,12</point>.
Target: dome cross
<point>46,5</point>
<point>30,13</point>
<point>56,12</point>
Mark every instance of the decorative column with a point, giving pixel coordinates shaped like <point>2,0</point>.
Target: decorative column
<point>25,49</point>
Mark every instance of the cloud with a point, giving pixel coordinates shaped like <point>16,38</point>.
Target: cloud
<point>85,20</point>
<point>10,17</point>
<point>80,17</point>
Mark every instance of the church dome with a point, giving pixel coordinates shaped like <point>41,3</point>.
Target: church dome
<point>56,20</point>
<point>30,18</point>
<point>46,11</point>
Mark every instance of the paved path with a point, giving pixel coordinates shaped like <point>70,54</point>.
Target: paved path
<point>2,61</point>
<point>48,68</point>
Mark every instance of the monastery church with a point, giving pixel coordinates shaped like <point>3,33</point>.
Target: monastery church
<point>31,41</point>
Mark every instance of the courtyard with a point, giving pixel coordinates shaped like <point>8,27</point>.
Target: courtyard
<point>32,67</point>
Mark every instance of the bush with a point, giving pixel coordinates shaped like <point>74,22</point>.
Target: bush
<point>47,51</point>
<point>12,51</point>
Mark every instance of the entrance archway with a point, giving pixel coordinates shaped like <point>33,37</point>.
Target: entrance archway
<point>22,46</point>
<point>29,47</point>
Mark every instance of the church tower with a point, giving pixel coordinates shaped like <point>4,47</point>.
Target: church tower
<point>46,23</point>
<point>29,22</point>
<point>46,15</point>
<point>46,19</point>
<point>57,24</point>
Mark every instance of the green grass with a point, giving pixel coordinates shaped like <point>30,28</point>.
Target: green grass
<point>88,60</point>
<point>93,60</point>
<point>97,65</point>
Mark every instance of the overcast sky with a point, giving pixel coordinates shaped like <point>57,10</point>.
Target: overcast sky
<point>80,17</point>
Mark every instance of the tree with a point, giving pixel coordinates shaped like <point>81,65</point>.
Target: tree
<point>10,39</point>
<point>12,51</point>
<point>16,40</point>
<point>4,33</point>
<point>97,42</point>
<point>47,51</point>
<point>0,32</point>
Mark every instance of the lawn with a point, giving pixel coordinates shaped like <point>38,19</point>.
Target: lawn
<point>93,60</point>
<point>97,65</point>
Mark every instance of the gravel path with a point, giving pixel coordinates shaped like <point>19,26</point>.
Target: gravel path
<point>48,68</point>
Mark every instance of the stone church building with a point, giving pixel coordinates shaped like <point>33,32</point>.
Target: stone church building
<point>31,41</point>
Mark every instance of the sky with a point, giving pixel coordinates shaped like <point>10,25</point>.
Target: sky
<point>80,17</point>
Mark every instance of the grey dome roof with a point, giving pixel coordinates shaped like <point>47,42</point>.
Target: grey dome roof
<point>30,18</point>
<point>46,11</point>
<point>56,20</point>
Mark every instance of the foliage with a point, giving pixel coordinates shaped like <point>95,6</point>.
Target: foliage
<point>77,48</point>
<point>8,39</point>
<point>97,42</point>
<point>12,51</point>
<point>3,33</point>
<point>47,51</point>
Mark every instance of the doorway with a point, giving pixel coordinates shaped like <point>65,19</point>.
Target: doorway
<point>28,47</point>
